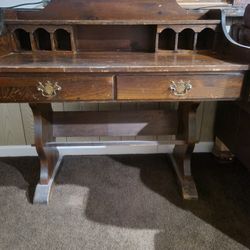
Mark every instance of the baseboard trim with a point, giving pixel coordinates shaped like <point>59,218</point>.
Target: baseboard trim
<point>107,148</point>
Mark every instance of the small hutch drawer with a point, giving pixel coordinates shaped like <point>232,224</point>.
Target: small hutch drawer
<point>56,88</point>
<point>173,87</point>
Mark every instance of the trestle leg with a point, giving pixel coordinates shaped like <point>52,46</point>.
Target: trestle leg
<point>181,157</point>
<point>48,156</point>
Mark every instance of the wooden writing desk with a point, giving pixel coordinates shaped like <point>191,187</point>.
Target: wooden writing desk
<point>118,51</point>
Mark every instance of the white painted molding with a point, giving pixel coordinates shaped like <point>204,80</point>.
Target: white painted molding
<point>8,3</point>
<point>105,148</point>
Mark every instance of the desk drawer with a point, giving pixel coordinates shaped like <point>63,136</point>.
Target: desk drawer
<point>173,87</point>
<point>55,88</point>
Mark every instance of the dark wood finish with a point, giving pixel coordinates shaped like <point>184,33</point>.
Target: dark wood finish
<point>116,38</point>
<point>232,119</point>
<point>232,127</point>
<point>146,87</point>
<point>115,62</point>
<point>4,44</point>
<point>231,48</point>
<point>108,10</point>
<point>243,135</point>
<point>22,88</point>
<point>227,123</point>
<point>182,153</point>
<point>227,86</point>
<point>240,32</point>
<point>114,123</point>
<point>49,156</point>
<point>43,134</point>
<point>119,51</point>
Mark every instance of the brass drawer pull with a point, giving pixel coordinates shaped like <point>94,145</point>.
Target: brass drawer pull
<point>180,88</point>
<point>48,88</point>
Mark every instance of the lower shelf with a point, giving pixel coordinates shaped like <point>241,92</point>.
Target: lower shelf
<point>114,123</point>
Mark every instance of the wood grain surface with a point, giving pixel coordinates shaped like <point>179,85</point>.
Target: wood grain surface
<point>205,87</point>
<point>73,88</point>
<point>108,10</point>
<point>112,123</point>
<point>104,62</point>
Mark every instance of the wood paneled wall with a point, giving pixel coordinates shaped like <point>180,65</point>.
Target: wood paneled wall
<point>16,121</point>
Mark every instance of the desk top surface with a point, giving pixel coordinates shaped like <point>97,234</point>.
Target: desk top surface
<point>105,62</point>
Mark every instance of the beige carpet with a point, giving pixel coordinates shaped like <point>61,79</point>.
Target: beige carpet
<point>125,202</point>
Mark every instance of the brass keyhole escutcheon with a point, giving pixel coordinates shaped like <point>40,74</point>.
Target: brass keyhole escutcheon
<point>48,88</point>
<point>180,88</point>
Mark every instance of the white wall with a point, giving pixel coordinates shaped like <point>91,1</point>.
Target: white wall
<point>8,3</point>
<point>16,121</point>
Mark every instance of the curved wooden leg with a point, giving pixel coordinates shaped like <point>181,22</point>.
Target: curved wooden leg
<point>42,192</point>
<point>49,156</point>
<point>181,157</point>
<point>181,160</point>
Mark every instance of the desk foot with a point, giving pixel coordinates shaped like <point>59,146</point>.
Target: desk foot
<point>42,192</point>
<point>181,163</point>
<point>189,191</point>
<point>221,152</point>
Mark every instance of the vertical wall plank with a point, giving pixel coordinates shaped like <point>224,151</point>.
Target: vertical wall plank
<point>28,123</point>
<point>16,120</point>
<point>89,106</point>
<point>57,106</point>
<point>11,125</point>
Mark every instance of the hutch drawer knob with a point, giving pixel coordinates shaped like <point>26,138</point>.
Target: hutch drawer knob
<point>180,88</point>
<point>48,88</point>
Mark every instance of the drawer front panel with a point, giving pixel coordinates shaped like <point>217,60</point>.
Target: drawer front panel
<point>56,88</point>
<point>170,87</point>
